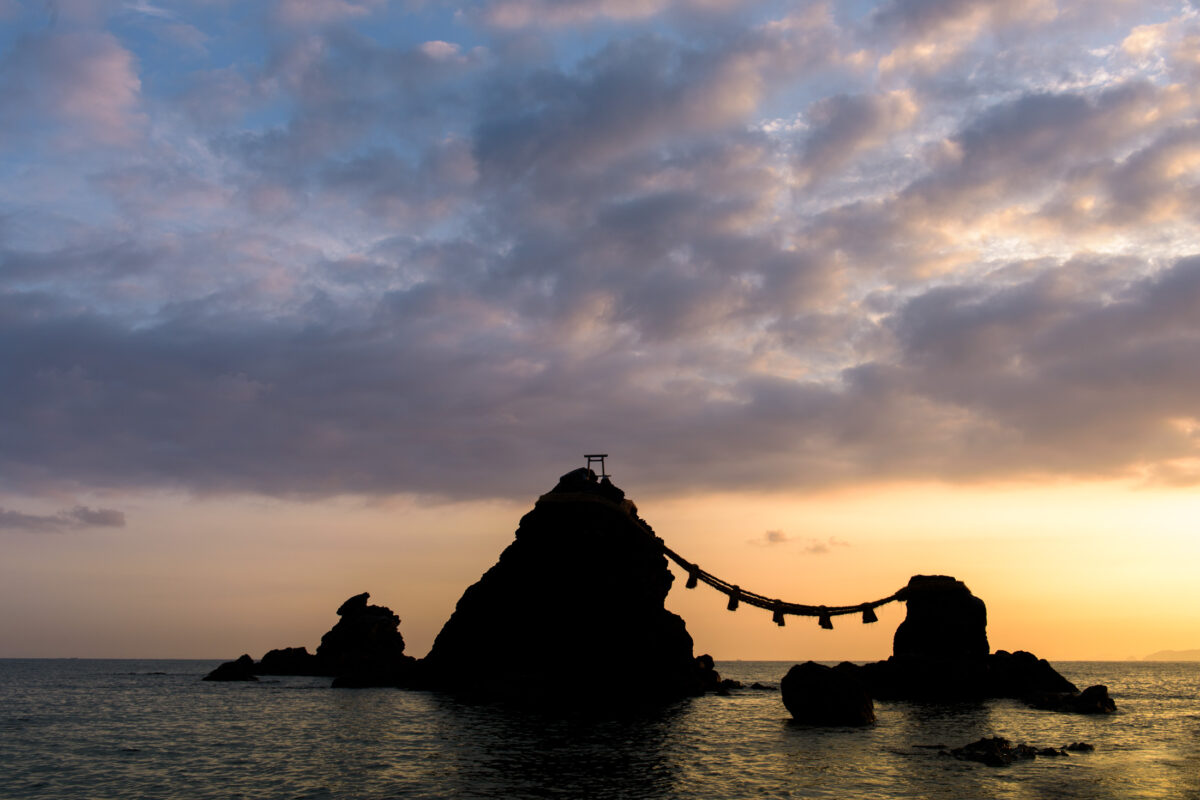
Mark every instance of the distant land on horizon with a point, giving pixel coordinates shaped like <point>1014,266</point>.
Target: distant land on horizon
<point>1174,655</point>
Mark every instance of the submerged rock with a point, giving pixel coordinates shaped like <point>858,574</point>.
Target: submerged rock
<point>240,670</point>
<point>583,583</point>
<point>995,751</point>
<point>820,695</point>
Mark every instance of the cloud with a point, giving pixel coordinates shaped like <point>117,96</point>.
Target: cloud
<point>817,547</point>
<point>84,80</point>
<point>320,12</point>
<point>807,545</point>
<point>384,258</point>
<point>77,518</point>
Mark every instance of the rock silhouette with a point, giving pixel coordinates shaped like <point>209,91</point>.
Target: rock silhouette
<point>364,648</point>
<point>584,581</point>
<point>241,669</point>
<point>940,653</point>
<point>819,695</point>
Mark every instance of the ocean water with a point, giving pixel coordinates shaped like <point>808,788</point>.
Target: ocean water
<point>152,729</point>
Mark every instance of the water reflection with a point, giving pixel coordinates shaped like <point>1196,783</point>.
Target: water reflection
<point>496,751</point>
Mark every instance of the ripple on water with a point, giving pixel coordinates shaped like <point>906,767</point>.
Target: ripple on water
<point>100,729</point>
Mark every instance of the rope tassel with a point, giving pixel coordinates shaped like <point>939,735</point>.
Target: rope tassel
<point>777,617</point>
<point>869,615</point>
<point>693,577</point>
<point>823,619</point>
<point>735,597</point>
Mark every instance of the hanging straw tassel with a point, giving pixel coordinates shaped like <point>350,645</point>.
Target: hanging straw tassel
<point>734,598</point>
<point>869,615</point>
<point>824,621</point>
<point>693,577</point>
<point>777,617</point>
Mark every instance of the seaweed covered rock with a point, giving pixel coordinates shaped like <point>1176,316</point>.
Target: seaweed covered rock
<point>819,695</point>
<point>584,581</point>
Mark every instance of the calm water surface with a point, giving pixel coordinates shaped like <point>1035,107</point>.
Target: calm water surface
<point>152,729</point>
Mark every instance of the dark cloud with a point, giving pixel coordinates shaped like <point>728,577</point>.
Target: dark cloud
<point>746,254</point>
<point>77,518</point>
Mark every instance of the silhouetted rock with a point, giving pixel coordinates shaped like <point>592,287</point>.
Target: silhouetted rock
<point>941,652</point>
<point>1092,700</point>
<point>584,582</point>
<point>365,647</point>
<point>289,661</point>
<point>240,670</point>
<point>820,695</point>
<point>944,621</point>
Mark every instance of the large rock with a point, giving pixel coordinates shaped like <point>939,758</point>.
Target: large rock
<point>365,647</point>
<point>940,653</point>
<point>944,621</point>
<point>580,589</point>
<point>819,695</point>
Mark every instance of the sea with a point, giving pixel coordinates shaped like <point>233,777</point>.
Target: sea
<point>82,728</point>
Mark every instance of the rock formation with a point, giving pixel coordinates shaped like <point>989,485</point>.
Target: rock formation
<point>364,648</point>
<point>940,653</point>
<point>582,586</point>
<point>240,670</point>
<point>821,695</point>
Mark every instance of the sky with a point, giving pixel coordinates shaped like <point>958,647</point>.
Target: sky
<point>303,298</point>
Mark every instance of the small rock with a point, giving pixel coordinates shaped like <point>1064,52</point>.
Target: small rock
<point>240,670</point>
<point>1080,747</point>
<point>995,752</point>
<point>1092,700</point>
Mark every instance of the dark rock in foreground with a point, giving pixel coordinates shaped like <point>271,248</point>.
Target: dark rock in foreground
<point>819,695</point>
<point>1092,700</point>
<point>240,670</point>
<point>940,653</point>
<point>584,582</point>
<point>999,752</point>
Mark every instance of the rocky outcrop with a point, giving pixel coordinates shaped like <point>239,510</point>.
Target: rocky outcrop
<point>240,670</point>
<point>289,661</point>
<point>364,648</point>
<point>940,653</point>
<point>584,581</point>
<point>944,621</point>
<point>819,695</point>
<point>1092,700</point>
<point>997,751</point>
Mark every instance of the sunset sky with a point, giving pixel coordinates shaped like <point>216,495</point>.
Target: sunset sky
<point>305,298</point>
